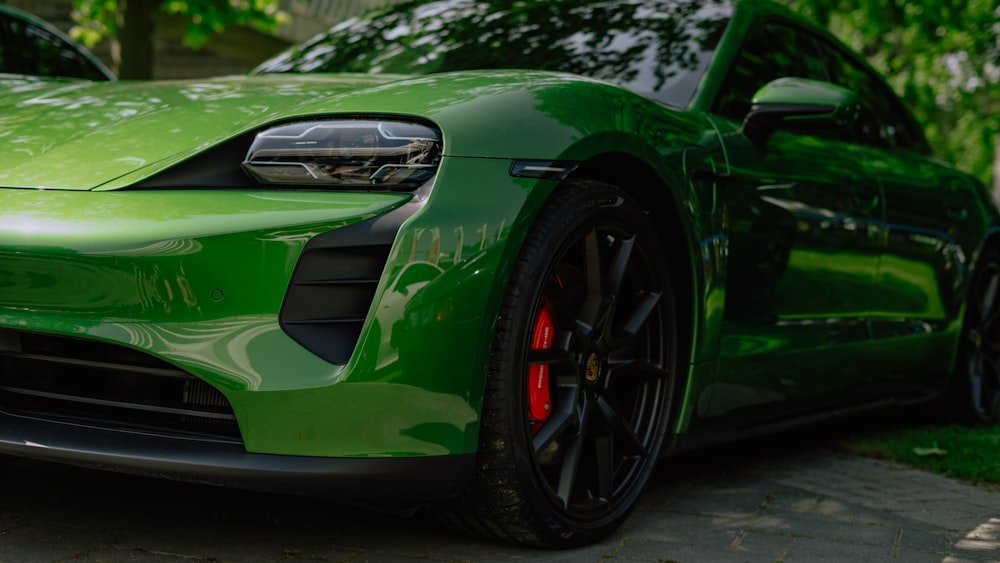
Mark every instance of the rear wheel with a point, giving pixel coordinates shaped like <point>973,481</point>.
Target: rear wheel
<point>582,375</point>
<point>975,396</point>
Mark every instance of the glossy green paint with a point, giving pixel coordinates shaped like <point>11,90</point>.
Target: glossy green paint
<point>414,384</point>
<point>139,128</point>
<point>799,100</point>
<point>455,252</point>
<point>837,278</point>
<point>803,260</point>
<point>170,274</point>
<point>152,283</point>
<point>529,115</point>
<point>804,92</point>
<point>166,258</point>
<point>441,287</point>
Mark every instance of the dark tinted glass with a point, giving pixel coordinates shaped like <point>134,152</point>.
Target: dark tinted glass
<point>656,47</point>
<point>883,121</point>
<point>770,51</point>
<point>773,50</point>
<point>28,49</point>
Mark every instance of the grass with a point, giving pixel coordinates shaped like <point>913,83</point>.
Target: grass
<point>968,453</point>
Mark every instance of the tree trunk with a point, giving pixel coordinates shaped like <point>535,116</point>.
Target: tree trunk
<point>133,49</point>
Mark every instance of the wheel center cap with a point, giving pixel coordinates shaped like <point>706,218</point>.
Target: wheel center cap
<point>593,370</point>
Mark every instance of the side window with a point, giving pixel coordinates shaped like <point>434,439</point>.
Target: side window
<point>883,122</point>
<point>770,51</point>
<point>6,45</point>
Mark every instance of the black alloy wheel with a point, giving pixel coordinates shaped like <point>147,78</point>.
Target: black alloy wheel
<point>582,378</point>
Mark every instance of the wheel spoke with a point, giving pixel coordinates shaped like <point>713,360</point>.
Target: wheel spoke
<point>619,264</point>
<point>640,313</point>
<point>616,422</point>
<point>604,449</point>
<point>571,458</point>
<point>563,418</point>
<point>554,428</point>
<point>557,354</point>
<point>593,272</point>
<point>620,370</point>
<point>621,344</point>
<point>647,371</point>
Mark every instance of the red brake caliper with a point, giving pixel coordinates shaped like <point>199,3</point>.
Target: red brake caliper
<point>539,400</point>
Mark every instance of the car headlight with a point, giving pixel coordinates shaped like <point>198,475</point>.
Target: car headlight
<point>354,154</point>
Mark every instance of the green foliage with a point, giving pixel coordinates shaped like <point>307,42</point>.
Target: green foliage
<point>941,56</point>
<point>957,451</point>
<point>97,19</point>
<point>207,17</point>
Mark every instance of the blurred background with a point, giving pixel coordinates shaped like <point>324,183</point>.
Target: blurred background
<point>234,48</point>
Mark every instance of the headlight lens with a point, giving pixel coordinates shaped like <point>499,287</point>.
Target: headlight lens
<point>357,154</point>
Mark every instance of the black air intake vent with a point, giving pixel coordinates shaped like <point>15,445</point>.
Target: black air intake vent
<point>329,297</point>
<point>99,384</point>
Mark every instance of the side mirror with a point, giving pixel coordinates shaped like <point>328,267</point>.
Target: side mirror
<point>798,99</point>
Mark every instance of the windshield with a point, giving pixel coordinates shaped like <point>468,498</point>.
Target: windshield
<point>658,48</point>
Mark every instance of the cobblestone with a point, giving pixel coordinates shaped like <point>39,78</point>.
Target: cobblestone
<point>809,504</point>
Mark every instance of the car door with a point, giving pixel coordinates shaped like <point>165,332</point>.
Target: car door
<point>805,232</point>
<point>933,224</point>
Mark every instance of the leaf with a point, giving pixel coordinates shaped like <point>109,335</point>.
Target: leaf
<point>931,451</point>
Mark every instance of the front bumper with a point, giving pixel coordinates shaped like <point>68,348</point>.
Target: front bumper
<point>199,279</point>
<point>228,464</point>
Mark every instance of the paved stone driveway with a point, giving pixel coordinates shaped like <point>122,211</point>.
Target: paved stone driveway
<point>797,504</point>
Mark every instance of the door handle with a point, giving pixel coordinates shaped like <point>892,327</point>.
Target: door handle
<point>865,200</point>
<point>955,210</point>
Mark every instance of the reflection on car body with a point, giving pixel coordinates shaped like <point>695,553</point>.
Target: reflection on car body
<point>494,258</point>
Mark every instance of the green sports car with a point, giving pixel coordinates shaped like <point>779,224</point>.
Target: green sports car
<point>495,258</point>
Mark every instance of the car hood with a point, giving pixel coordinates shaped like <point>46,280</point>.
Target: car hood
<point>83,135</point>
<point>107,136</point>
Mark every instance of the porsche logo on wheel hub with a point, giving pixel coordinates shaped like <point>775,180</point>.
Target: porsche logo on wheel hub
<point>593,370</point>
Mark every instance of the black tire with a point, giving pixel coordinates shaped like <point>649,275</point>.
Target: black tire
<point>975,392</point>
<point>596,266</point>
